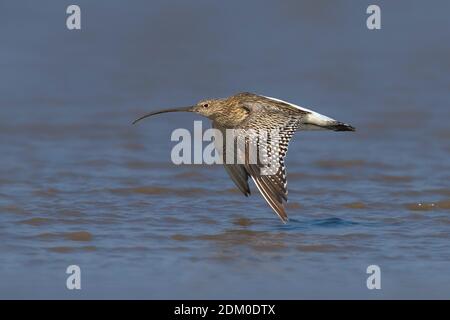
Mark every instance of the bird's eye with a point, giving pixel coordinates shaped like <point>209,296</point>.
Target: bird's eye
<point>205,105</point>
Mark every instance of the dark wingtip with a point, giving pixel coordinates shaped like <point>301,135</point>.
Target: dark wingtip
<point>342,127</point>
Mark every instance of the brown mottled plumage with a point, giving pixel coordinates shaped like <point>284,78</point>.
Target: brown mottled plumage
<point>256,115</point>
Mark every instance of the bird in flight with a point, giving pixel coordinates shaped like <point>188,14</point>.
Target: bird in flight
<point>252,115</point>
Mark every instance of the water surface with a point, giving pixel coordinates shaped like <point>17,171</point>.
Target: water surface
<point>80,185</point>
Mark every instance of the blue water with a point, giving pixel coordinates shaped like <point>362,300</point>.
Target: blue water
<point>80,185</point>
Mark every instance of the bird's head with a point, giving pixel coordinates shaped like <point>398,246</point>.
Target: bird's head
<point>209,108</point>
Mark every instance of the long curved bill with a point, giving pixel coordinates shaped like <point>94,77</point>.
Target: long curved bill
<point>186,109</point>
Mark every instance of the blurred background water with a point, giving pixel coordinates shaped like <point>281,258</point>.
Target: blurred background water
<point>80,185</point>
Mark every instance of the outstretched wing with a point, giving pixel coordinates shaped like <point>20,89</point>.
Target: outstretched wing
<point>269,171</point>
<point>261,157</point>
<point>278,123</point>
<point>265,133</point>
<point>236,172</point>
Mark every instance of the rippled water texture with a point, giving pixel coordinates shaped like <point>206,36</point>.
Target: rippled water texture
<point>80,185</point>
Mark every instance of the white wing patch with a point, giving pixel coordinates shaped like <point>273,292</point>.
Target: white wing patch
<point>291,104</point>
<point>313,117</point>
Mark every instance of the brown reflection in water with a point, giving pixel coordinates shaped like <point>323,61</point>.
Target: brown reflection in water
<point>159,191</point>
<point>257,240</point>
<point>355,205</point>
<point>206,220</point>
<point>79,236</point>
<point>133,146</point>
<point>36,221</point>
<point>232,191</point>
<point>49,192</point>
<point>293,205</point>
<point>243,222</point>
<point>47,236</point>
<point>173,220</point>
<point>317,247</point>
<point>427,206</point>
<point>72,236</point>
<point>181,237</point>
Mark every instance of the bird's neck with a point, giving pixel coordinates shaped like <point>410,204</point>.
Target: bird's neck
<point>231,117</point>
